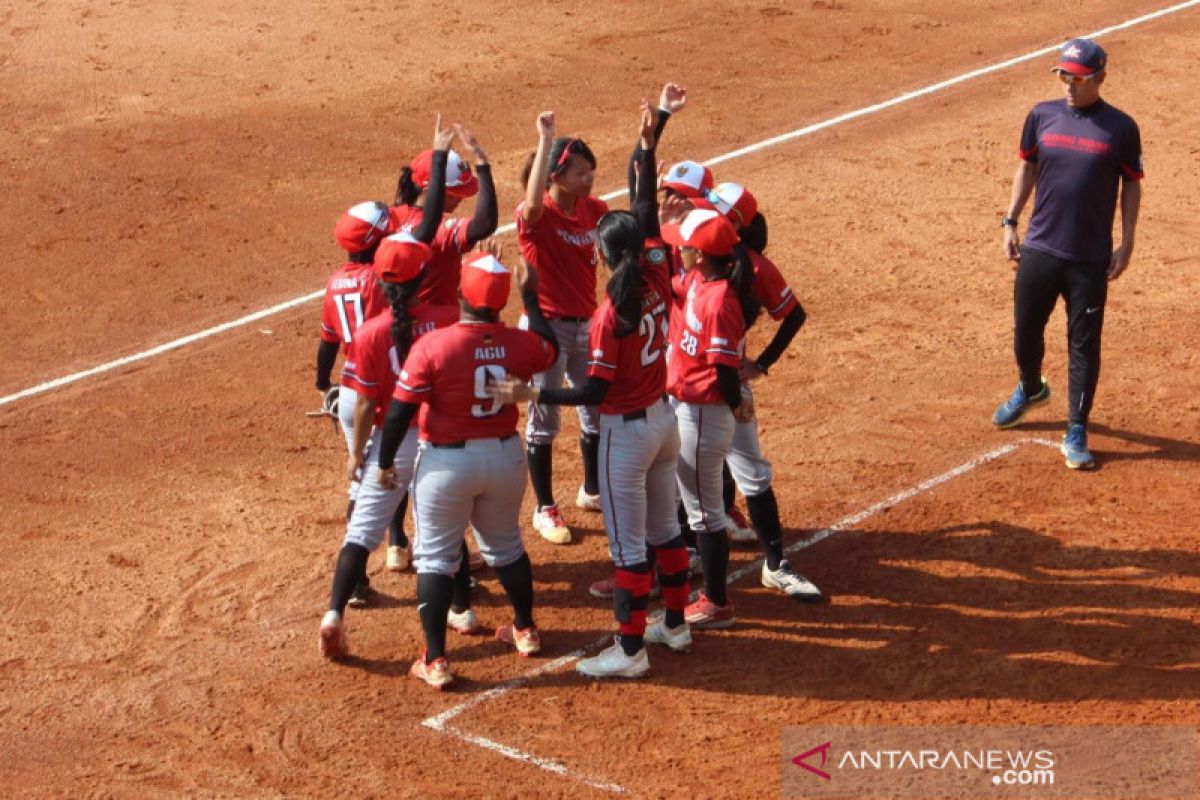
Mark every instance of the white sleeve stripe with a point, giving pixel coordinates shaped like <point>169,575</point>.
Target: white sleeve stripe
<point>408,388</point>
<point>719,350</point>
<point>601,364</point>
<point>786,299</point>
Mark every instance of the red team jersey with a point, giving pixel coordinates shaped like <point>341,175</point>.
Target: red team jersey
<point>440,284</point>
<point>707,329</point>
<point>448,372</point>
<point>563,249</point>
<point>352,297</point>
<point>371,367</point>
<point>770,288</point>
<point>635,364</point>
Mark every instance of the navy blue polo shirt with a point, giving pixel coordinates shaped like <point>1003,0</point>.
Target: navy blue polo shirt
<point>1081,155</point>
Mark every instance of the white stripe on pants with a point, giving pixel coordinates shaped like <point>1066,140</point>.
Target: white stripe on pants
<point>705,437</point>
<point>637,482</point>
<point>482,483</point>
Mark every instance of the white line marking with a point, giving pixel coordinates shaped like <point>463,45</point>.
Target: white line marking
<point>765,143</point>
<point>440,721</point>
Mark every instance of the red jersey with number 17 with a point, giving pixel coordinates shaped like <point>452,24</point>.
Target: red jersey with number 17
<point>448,372</point>
<point>634,364</point>
<point>706,331</point>
<point>352,297</point>
<point>371,366</point>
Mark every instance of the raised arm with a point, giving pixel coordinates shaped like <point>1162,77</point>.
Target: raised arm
<point>531,210</point>
<point>435,193</point>
<point>483,224</point>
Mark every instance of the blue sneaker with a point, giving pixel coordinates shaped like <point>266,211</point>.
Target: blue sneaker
<point>1074,447</point>
<point>1010,413</point>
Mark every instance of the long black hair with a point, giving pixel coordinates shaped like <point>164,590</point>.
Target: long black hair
<point>741,275</point>
<point>754,234</point>
<point>620,239</point>
<point>399,295</point>
<point>407,190</point>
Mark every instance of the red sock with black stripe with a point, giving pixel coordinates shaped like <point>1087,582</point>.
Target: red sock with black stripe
<point>673,578</point>
<point>631,598</point>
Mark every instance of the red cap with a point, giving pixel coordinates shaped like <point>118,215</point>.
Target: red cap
<point>689,179</point>
<point>705,230</point>
<point>732,200</point>
<point>485,281</point>
<point>361,227</point>
<point>459,180</point>
<point>400,258</point>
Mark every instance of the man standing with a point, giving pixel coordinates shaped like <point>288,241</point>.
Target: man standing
<point>1076,152</point>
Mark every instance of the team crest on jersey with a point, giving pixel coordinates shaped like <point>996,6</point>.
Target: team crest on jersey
<point>656,255</point>
<point>488,338</point>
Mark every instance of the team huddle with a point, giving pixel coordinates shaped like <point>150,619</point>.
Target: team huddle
<point>432,378</point>
<point>658,372</point>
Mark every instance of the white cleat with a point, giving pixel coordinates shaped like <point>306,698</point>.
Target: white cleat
<point>588,502</point>
<point>678,639</point>
<point>331,638</point>
<point>551,526</point>
<point>791,583</point>
<point>465,622</point>
<point>613,663</point>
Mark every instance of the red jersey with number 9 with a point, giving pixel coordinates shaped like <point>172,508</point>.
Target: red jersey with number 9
<point>352,297</point>
<point>706,331</point>
<point>371,367</point>
<point>634,365</point>
<point>448,372</point>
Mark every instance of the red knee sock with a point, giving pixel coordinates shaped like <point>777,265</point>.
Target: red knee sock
<point>630,601</point>
<point>673,576</point>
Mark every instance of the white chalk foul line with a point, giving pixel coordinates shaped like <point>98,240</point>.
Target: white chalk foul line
<point>440,722</point>
<point>752,148</point>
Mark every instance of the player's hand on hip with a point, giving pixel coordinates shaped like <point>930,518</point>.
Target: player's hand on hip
<point>745,410</point>
<point>442,137</point>
<point>1118,263</point>
<point>749,371</point>
<point>387,478</point>
<point>1012,244</point>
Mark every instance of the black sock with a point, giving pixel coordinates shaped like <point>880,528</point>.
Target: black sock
<point>350,570</point>
<point>541,466</point>
<point>589,446</point>
<point>349,509</point>
<point>685,530</point>
<point>714,554</point>
<point>764,515</point>
<point>728,487</point>
<point>396,537</point>
<point>461,599</point>
<point>517,580</point>
<point>433,604</point>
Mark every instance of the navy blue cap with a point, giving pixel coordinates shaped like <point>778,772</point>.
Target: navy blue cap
<point>1081,57</point>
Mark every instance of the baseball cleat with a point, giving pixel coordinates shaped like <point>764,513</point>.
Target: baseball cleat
<point>463,622</point>
<point>613,663</point>
<point>331,638</point>
<point>791,583</point>
<point>705,614</point>
<point>740,529</point>
<point>397,558</point>
<point>1074,448</point>
<point>526,640</point>
<point>678,639</point>
<point>551,526</point>
<point>361,596</point>
<point>436,674</point>
<point>1013,409</point>
<point>588,502</point>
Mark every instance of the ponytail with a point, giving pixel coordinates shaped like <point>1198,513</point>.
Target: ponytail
<point>620,239</point>
<point>742,278</point>
<point>399,295</point>
<point>754,235</point>
<point>407,190</point>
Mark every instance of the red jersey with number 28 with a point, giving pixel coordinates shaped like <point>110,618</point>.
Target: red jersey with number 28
<point>371,366</point>
<point>707,331</point>
<point>635,364</point>
<point>448,372</point>
<point>352,297</point>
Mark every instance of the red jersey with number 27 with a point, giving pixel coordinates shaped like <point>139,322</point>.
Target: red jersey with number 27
<point>448,372</point>
<point>635,364</point>
<point>371,366</point>
<point>352,297</point>
<point>706,331</point>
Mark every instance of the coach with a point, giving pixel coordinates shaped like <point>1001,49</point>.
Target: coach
<point>1076,152</point>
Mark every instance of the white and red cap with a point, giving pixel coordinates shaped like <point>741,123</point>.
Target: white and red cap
<point>732,200</point>
<point>703,229</point>
<point>460,181</point>
<point>1081,57</point>
<point>485,281</point>
<point>400,258</point>
<point>689,179</point>
<point>361,227</point>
